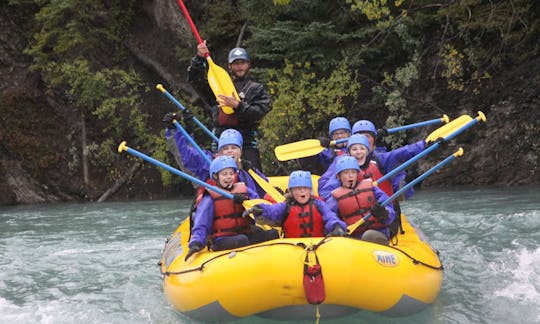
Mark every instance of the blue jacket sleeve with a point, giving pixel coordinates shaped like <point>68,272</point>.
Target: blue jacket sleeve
<point>203,219</point>
<point>329,217</point>
<point>274,212</point>
<point>391,160</point>
<point>191,159</point>
<point>331,203</point>
<point>328,181</point>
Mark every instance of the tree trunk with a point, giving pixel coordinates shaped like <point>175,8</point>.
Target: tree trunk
<point>120,182</point>
<point>86,180</point>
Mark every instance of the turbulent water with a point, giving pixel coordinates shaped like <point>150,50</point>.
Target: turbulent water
<point>97,263</point>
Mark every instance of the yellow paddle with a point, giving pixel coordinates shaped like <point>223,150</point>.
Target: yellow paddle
<point>445,130</point>
<point>219,80</point>
<point>302,149</point>
<point>270,190</point>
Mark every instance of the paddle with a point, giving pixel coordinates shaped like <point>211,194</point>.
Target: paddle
<point>443,119</point>
<point>310,147</point>
<point>247,203</point>
<point>270,190</point>
<point>351,228</point>
<point>181,107</point>
<point>445,133</point>
<point>260,181</point>
<point>219,80</point>
<point>301,149</point>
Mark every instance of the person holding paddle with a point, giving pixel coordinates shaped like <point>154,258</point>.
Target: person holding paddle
<point>230,143</point>
<point>338,128</point>
<point>252,104</point>
<point>356,197</point>
<point>221,218</point>
<point>302,215</point>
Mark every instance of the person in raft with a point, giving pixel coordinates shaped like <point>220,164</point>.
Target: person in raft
<point>220,218</point>
<point>357,197</point>
<point>230,143</point>
<point>249,111</point>
<point>301,215</point>
<point>338,128</point>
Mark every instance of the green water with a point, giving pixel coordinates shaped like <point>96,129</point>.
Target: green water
<point>97,263</point>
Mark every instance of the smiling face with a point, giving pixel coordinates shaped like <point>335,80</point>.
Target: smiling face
<point>231,150</point>
<point>348,178</point>
<point>301,194</point>
<point>359,152</point>
<point>239,68</point>
<point>225,178</point>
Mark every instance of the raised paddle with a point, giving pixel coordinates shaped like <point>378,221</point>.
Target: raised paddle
<point>302,149</point>
<point>219,80</point>
<point>182,108</point>
<point>310,147</point>
<point>260,181</point>
<point>443,119</point>
<point>464,122</point>
<point>351,228</point>
<point>247,203</point>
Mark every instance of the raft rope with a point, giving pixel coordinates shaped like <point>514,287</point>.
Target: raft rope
<point>299,244</point>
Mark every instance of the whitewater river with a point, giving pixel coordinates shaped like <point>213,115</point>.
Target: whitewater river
<point>97,263</point>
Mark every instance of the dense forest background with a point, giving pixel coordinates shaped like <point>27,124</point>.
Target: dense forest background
<point>78,77</point>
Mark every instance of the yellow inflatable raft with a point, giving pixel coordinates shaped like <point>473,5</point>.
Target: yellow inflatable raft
<point>267,279</point>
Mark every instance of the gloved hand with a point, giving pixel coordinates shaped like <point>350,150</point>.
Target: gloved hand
<point>168,120</point>
<point>324,141</point>
<point>246,164</point>
<point>255,210</point>
<point>194,247</point>
<point>383,132</point>
<point>187,117</point>
<point>239,198</point>
<point>337,231</point>
<point>380,213</point>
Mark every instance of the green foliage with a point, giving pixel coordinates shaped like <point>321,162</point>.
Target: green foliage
<point>303,103</point>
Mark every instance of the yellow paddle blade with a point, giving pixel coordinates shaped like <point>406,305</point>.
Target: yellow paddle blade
<point>252,202</point>
<point>221,83</point>
<point>297,150</point>
<point>444,131</point>
<point>276,195</point>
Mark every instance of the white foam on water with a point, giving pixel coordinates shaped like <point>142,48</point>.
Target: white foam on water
<point>524,280</point>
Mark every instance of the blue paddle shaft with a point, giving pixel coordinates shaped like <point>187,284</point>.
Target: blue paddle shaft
<point>414,182</point>
<point>179,105</point>
<point>178,172</point>
<point>425,152</point>
<point>191,141</point>
<point>415,125</point>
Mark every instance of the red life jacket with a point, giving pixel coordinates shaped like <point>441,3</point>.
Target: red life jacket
<point>228,218</point>
<point>304,220</point>
<point>354,204</point>
<point>372,171</point>
<point>202,190</point>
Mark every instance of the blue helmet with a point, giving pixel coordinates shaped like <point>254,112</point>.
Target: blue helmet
<point>338,123</point>
<point>300,179</point>
<point>220,163</point>
<point>345,163</point>
<point>230,136</point>
<point>358,139</point>
<point>238,53</point>
<point>364,126</point>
